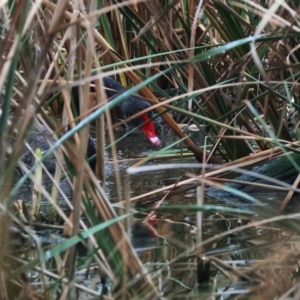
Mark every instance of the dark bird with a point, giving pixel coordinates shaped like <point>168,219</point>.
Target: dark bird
<point>128,107</point>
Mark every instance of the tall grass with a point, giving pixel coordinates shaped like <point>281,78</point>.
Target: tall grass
<point>235,68</point>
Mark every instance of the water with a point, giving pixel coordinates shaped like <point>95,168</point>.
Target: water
<point>166,243</point>
<point>136,146</point>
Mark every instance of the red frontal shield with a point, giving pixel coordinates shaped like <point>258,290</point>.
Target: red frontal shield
<point>149,131</point>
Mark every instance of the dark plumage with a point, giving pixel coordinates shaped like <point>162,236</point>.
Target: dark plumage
<point>129,107</point>
<point>41,139</point>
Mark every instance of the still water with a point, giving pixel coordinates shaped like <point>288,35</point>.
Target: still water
<point>166,243</point>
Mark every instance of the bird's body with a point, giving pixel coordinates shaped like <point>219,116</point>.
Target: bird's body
<point>43,139</point>
<point>130,105</point>
<point>133,104</point>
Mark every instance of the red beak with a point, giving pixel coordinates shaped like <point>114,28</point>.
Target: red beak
<point>149,131</point>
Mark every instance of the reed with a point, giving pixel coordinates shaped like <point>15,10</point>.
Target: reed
<point>228,68</point>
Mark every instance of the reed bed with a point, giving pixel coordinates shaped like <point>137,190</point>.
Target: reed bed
<point>230,69</point>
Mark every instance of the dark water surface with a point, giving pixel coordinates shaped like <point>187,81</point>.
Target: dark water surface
<point>166,243</point>
<point>171,235</point>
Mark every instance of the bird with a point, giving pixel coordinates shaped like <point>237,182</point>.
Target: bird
<point>128,107</point>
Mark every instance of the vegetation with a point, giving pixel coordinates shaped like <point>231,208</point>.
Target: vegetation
<point>231,69</point>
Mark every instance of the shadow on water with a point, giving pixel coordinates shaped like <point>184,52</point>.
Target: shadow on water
<point>166,243</point>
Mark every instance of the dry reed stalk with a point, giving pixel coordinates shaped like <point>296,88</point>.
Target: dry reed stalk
<point>135,80</point>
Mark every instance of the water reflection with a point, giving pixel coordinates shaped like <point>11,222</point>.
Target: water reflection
<point>168,249</point>
<point>166,243</point>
